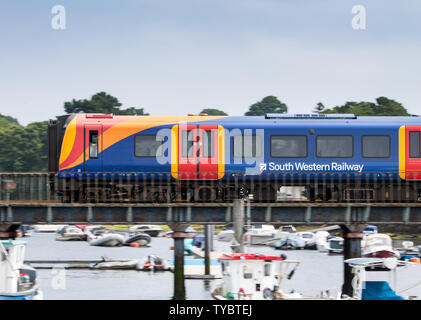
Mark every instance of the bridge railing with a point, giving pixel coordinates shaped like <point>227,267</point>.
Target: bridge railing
<point>158,187</point>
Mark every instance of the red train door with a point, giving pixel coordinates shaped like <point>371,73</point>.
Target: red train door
<point>413,152</point>
<point>198,152</point>
<point>208,152</point>
<point>93,148</point>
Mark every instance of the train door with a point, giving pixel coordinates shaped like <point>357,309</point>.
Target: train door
<point>198,152</point>
<point>93,148</point>
<point>413,152</point>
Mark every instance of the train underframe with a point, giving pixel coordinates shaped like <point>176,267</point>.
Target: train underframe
<point>72,190</point>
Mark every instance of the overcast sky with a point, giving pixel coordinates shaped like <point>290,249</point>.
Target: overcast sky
<point>177,57</point>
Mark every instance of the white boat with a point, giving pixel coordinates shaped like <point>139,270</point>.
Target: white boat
<point>255,277</point>
<point>48,227</point>
<point>297,240</point>
<point>116,264</point>
<point>378,245</point>
<point>259,234</point>
<point>321,240</point>
<point>70,233</point>
<point>100,236</point>
<point>225,235</point>
<point>17,281</point>
<point>335,246</point>
<point>152,230</point>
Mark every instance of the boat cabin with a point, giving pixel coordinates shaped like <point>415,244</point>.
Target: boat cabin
<point>252,276</point>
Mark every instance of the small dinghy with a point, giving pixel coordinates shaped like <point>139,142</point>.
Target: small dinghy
<point>104,237</point>
<point>70,233</point>
<point>116,264</point>
<point>142,239</point>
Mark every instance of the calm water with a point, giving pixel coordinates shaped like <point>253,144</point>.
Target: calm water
<point>316,272</point>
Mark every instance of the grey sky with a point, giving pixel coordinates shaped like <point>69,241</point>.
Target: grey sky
<point>177,57</point>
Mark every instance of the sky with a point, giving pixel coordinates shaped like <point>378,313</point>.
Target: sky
<point>177,57</point>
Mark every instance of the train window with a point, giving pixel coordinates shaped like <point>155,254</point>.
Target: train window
<point>208,146</point>
<point>376,146</point>
<point>93,144</point>
<point>414,144</point>
<point>247,146</point>
<point>147,146</point>
<point>334,146</point>
<point>288,146</point>
<point>187,143</point>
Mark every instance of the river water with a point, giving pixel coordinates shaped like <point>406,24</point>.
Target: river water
<point>316,272</point>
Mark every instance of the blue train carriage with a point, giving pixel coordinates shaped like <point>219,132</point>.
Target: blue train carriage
<point>221,158</point>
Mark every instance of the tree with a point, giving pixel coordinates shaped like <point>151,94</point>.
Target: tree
<point>100,102</point>
<point>382,107</point>
<point>214,112</point>
<point>8,121</point>
<point>319,108</point>
<point>24,148</point>
<point>269,104</point>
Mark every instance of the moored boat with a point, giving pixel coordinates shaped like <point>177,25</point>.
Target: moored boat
<point>378,245</point>
<point>99,236</point>
<point>259,234</point>
<point>142,239</point>
<point>335,246</point>
<point>17,280</point>
<point>151,230</point>
<point>255,277</point>
<point>70,233</point>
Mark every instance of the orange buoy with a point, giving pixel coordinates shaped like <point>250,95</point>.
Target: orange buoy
<point>134,244</point>
<point>172,248</point>
<point>164,235</point>
<point>416,260</point>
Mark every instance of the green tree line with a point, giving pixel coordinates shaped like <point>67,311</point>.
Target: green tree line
<point>25,148</point>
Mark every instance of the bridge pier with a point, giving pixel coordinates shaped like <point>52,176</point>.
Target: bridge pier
<point>179,235</point>
<point>352,235</point>
<point>209,229</point>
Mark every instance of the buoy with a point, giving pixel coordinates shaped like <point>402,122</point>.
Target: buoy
<point>416,260</point>
<point>134,244</point>
<point>164,235</point>
<point>172,248</point>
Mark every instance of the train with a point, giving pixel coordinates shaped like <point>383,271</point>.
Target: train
<point>332,157</point>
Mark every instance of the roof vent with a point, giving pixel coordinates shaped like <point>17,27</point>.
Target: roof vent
<point>310,116</point>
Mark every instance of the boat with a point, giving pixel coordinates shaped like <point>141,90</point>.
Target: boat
<point>367,282</point>
<point>259,234</point>
<point>24,230</point>
<point>408,251</point>
<point>154,263</point>
<point>321,238</point>
<point>116,264</point>
<point>297,240</point>
<point>152,230</point>
<point>70,233</point>
<point>142,239</point>
<point>370,229</point>
<point>17,280</point>
<point>99,236</point>
<point>225,235</point>
<point>248,276</point>
<point>378,245</point>
<point>335,246</point>
<point>48,227</point>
